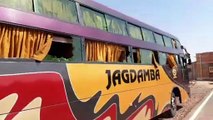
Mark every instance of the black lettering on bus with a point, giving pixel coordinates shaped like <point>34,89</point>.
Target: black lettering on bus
<point>125,76</point>
<point>116,77</point>
<point>157,73</point>
<point>140,76</point>
<point>152,74</point>
<point>108,72</point>
<point>146,75</point>
<point>132,76</point>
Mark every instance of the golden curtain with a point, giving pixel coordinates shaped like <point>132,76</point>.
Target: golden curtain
<point>17,42</point>
<point>103,52</point>
<point>95,51</point>
<point>138,56</point>
<point>171,60</point>
<point>114,53</point>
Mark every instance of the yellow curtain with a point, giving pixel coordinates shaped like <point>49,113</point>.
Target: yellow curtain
<point>95,51</point>
<point>114,52</point>
<point>103,52</point>
<point>17,42</point>
<point>171,60</point>
<point>138,55</point>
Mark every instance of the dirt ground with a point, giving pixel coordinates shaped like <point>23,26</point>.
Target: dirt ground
<point>199,90</point>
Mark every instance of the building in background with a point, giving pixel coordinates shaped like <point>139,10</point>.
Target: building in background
<point>202,69</point>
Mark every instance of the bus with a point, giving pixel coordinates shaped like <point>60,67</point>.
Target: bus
<point>81,60</point>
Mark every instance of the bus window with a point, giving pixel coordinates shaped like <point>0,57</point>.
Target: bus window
<point>136,55</point>
<point>65,49</point>
<point>129,55</point>
<point>156,57</point>
<point>25,5</point>
<point>105,52</point>
<point>24,43</point>
<point>134,31</point>
<point>62,9</point>
<point>159,39</point>
<point>116,25</point>
<point>146,57</point>
<point>123,57</point>
<point>183,62</point>
<point>148,35</point>
<point>178,59</point>
<point>174,44</point>
<point>162,58</point>
<point>168,41</point>
<point>178,44</point>
<point>94,19</point>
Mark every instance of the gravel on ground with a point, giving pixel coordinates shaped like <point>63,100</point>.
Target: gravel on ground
<point>198,90</point>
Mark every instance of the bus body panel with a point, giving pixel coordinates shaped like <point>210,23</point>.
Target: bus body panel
<point>79,91</point>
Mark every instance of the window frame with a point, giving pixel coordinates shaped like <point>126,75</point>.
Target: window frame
<point>166,38</point>
<point>36,10</point>
<point>159,56</point>
<point>93,11</point>
<point>126,50</point>
<point>178,44</point>
<point>159,35</point>
<point>120,20</point>
<point>151,57</point>
<point>66,40</point>
<point>144,35</point>
<point>26,9</point>
<point>133,25</point>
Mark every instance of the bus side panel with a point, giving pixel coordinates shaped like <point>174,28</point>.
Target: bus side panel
<point>124,88</point>
<point>32,91</point>
<point>82,91</point>
<point>176,76</point>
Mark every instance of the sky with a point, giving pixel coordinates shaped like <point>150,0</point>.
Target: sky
<point>191,21</point>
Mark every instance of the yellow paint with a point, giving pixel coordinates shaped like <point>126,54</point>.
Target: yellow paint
<point>88,79</point>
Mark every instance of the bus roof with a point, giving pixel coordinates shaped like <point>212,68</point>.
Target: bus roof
<point>37,21</point>
<point>102,8</point>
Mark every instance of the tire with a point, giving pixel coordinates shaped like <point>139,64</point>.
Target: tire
<point>173,106</point>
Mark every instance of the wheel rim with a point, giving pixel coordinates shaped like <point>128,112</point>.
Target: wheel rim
<point>173,103</point>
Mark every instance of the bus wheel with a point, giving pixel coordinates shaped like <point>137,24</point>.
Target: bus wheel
<point>173,105</point>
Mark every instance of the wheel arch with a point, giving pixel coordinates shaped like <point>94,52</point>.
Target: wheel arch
<point>177,93</point>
